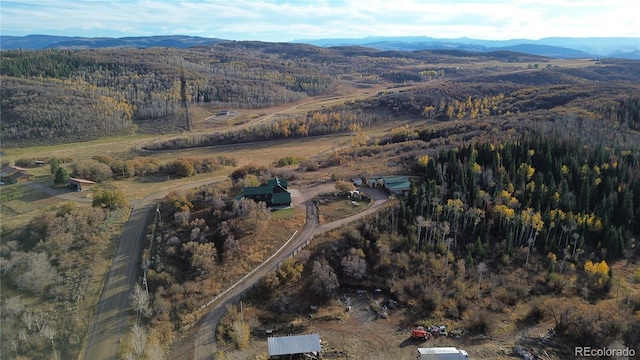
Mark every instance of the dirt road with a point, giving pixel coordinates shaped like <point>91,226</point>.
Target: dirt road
<point>111,314</point>
<point>204,342</point>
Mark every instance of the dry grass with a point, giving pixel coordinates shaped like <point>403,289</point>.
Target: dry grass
<point>335,208</point>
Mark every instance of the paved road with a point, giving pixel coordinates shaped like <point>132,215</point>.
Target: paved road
<point>111,314</point>
<point>204,346</point>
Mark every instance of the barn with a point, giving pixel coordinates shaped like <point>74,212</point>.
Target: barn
<point>295,347</point>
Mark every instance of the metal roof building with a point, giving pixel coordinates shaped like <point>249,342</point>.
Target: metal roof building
<point>287,347</point>
<point>397,184</point>
<point>274,193</point>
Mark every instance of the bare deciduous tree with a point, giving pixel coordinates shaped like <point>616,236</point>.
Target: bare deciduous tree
<point>421,223</point>
<point>27,317</point>
<point>354,265</point>
<point>325,282</point>
<point>36,274</point>
<point>138,339</point>
<point>140,301</point>
<point>241,333</point>
<point>155,351</point>
<point>49,332</point>
<point>482,267</point>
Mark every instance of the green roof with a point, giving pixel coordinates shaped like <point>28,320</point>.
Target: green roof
<point>258,190</point>
<point>281,198</point>
<point>398,186</point>
<point>274,193</point>
<point>395,179</point>
<point>276,181</point>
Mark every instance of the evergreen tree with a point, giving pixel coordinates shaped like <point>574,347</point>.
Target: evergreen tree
<point>61,176</point>
<point>55,165</point>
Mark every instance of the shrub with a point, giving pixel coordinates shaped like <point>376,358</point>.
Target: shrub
<point>26,162</point>
<point>92,170</point>
<point>109,199</point>
<point>287,160</point>
<point>248,169</point>
<point>344,186</point>
<point>536,311</point>
<point>184,168</point>
<point>479,321</point>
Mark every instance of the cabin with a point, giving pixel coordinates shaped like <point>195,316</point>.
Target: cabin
<point>274,193</point>
<point>14,174</point>
<point>295,347</point>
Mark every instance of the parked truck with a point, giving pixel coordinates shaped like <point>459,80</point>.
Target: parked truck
<point>420,333</point>
<point>442,353</point>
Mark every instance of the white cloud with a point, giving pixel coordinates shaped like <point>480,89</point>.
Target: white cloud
<point>297,19</point>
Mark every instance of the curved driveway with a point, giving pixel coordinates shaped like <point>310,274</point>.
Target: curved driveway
<point>205,337</point>
<point>111,313</point>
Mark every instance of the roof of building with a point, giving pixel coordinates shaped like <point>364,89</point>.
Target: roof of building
<point>278,182</point>
<point>395,179</point>
<point>281,198</point>
<point>299,344</point>
<point>406,185</point>
<point>8,170</point>
<point>258,190</point>
<point>440,350</point>
<point>81,181</point>
<point>397,183</point>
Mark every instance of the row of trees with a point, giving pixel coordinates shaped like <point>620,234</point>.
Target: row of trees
<point>313,124</point>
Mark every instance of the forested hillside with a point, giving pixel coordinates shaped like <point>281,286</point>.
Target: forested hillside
<point>56,96</point>
<point>53,96</point>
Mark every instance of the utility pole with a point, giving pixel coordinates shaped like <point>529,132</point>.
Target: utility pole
<point>183,96</point>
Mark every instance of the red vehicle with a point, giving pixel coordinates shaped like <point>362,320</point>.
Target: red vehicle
<point>420,333</point>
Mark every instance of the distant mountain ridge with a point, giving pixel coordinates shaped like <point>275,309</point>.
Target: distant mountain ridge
<point>35,42</point>
<point>557,47</point>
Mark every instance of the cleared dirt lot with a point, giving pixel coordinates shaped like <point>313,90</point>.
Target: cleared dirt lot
<point>361,334</point>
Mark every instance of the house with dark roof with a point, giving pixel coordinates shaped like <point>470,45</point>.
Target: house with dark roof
<point>274,193</point>
<point>14,174</point>
<point>295,347</point>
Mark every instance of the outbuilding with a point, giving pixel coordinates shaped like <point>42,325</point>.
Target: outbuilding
<point>80,184</point>
<point>14,174</point>
<point>295,347</point>
<point>397,185</point>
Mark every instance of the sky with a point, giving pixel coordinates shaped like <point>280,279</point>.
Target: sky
<point>287,20</point>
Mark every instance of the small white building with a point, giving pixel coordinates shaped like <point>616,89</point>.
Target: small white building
<point>298,346</point>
